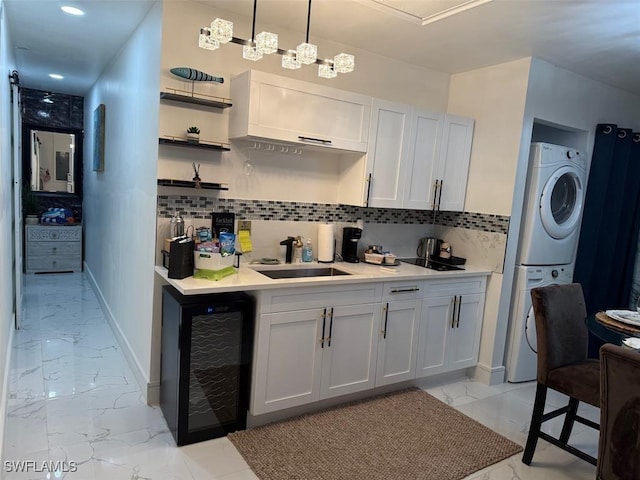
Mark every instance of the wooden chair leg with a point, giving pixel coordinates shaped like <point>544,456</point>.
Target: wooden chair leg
<point>569,420</point>
<point>536,423</point>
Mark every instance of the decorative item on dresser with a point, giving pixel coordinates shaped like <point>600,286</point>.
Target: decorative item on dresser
<point>53,248</point>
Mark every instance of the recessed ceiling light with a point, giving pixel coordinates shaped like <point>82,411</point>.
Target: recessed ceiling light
<point>56,76</point>
<point>72,10</point>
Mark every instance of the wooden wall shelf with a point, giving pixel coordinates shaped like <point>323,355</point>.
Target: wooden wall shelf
<point>164,182</point>
<point>215,102</point>
<point>202,144</point>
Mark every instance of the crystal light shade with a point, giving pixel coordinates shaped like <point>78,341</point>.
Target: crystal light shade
<point>206,41</point>
<point>251,52</point>
<point>344,63</point>
<point>290,61</point>
<point>267,42</point>
<point>307,53</point>
<point>222,30</point>
<point>326,70</point>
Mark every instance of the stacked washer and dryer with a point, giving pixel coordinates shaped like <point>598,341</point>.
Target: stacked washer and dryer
<point>548,242</point>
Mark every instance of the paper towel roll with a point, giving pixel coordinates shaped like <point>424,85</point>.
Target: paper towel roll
<point>326,242</point>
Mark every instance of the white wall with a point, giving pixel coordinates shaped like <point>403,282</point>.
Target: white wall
<point>120,203</point>
<point>495,97</point>
<point>275,176</point>
<point>506,100</point>
<point>565,99</point>
<point>7,64</point>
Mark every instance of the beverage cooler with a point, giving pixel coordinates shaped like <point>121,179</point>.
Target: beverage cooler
<point>207,343</point>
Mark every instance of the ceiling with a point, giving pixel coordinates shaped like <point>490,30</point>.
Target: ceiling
<point>597,39</point>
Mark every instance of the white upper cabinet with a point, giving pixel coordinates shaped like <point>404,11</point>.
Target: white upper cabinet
<point>388,150</point>
<point>281,109</point>
<point>424,150</point>
<point>417,159</point>
<point>453,166</point>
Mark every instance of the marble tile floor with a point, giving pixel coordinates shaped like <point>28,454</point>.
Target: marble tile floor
<point>72,398</point>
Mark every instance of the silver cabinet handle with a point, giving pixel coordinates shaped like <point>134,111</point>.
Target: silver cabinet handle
<point>459,306</point>
<point>405,290</point>
<point>440,195</point>
<point>330,327</point>
<point>314,140</point>
<point>366,202</point>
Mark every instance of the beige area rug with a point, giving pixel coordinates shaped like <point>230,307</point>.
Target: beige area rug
<point>403,435</point>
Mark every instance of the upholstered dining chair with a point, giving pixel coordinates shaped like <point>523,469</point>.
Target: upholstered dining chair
<point>563,365</point>
<point>619,447</point>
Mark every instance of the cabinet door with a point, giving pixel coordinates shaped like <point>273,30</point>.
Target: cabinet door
<point>453,165</point>
<point>397,342</point>
<point>387,153</point>
<point>288,360</point>
<point>293,111</point>
<point>349,357</point>
<point>435,330</point>
<point>465,341</point>
<point>422,158</point>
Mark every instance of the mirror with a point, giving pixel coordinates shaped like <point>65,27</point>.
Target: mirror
<point>52,156</point>
<point>52,160</point>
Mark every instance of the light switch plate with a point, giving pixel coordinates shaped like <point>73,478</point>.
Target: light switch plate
<point>244,225</point>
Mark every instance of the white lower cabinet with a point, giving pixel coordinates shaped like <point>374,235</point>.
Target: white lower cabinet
<point>315,343</point>
<point>308,355</point>
<point>397,342</point>
<point>450,326</point>
<point>349,353</point>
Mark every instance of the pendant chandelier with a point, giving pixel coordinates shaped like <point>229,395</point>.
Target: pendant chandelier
<point>221,32</point>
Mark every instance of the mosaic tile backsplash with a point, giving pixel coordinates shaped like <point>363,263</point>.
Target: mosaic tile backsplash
<point>201,207</point>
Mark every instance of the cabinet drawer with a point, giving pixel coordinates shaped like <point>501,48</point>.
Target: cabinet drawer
<point>54,263</point>
<point>62,249</point>
<point>44,233</point>
<point>304,298</point>
<point>402,291</point>
<point>455,286</point>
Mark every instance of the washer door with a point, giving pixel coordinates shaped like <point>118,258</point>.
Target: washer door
<point>530,325</point>
<point>530,331</point>
<point>561,202</point>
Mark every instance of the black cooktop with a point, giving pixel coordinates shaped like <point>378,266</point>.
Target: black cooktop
<point>432,264</point>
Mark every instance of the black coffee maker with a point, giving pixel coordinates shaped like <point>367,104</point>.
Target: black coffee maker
<point>350,237</point>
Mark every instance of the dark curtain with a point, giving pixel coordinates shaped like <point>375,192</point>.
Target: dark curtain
<point>610,223</point>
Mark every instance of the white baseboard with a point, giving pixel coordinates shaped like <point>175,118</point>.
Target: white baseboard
<point>153,393</point>
<point>5,387</point>
<point>149,390</point>
<point>489,375</point>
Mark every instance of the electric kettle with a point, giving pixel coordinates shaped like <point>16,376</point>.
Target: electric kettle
<point>429,247</point>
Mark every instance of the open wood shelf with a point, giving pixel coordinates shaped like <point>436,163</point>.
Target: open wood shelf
<point>165,182</point>
<point>215,102</point>
<point>202,144</point>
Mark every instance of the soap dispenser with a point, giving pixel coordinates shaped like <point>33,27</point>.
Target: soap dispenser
<point>307,251</point>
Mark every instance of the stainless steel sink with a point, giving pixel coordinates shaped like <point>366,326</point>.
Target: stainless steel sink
<point>302,272</point>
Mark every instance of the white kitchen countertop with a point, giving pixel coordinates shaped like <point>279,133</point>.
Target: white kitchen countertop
<point>248,278</point>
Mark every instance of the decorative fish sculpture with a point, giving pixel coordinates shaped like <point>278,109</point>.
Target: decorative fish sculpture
<point>195,75</point>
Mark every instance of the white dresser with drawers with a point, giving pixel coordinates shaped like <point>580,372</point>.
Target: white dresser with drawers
<point>53,248</point>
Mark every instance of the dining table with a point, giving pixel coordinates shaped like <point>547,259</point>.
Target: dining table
<point>613,330</point>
